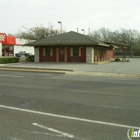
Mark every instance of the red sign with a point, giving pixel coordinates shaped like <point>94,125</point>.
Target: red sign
<point>2,37</point>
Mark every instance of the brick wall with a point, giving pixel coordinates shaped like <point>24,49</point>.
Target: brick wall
<point>110,54</point>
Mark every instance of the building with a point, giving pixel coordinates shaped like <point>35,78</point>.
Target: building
<point>72,47</point>
<point>10,45</point>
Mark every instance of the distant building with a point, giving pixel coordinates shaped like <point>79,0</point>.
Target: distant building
<point>10,45</point>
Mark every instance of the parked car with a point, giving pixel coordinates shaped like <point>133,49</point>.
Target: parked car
<point>22,54</point>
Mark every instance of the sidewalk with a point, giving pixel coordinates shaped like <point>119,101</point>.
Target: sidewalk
<point>119,69</point>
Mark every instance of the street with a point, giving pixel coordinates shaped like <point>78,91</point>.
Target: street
<point>39,106</point>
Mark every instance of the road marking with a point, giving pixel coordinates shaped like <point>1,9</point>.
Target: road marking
<point>14,139</point>
<point>115,107</point>
<point>70,118</point>
<point>12,76</point>
<point>43,133</point>
<point>54,130</point>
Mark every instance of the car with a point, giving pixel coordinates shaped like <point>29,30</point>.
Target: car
<point>22,54</point>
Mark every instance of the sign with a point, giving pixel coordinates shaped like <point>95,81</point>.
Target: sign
<point>133,134</point>
<point>2,37</point>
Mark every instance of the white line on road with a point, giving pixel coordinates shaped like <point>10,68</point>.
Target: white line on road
<point>43,133</point>
<point>14,139</point>
<point>54,130</point>
<point>70,118</point>
<point>12,76</point>
<point>54,135</point>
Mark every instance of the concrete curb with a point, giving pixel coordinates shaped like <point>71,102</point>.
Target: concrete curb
<point>120,75</point>
<point>31,68</point>
<point>100,63</point>
<point>69,71</point>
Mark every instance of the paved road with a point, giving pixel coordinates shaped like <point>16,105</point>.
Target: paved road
<point>132,67</point>
<point>36,106</point>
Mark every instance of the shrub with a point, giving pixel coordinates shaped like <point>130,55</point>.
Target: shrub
<point>128,60</point>
<point>30,58</point>
<point>9,60</point>
<point>117,59</point>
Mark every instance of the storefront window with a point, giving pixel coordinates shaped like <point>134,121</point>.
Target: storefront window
<point>48,51</point>
<point>76,51</point>
<point>7,50</point>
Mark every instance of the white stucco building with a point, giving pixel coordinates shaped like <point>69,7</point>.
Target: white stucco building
<point>10,45</point>
<point>19,46</point>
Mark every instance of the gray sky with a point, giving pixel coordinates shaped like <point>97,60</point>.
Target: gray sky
<point>84,14</point>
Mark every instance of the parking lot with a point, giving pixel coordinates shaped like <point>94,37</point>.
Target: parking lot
<point>132,67</point>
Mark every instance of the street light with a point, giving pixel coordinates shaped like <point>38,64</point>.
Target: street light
<point>60,22</point>
<point>83,31</point>
<point>89,31</point>
<point>77,29</point>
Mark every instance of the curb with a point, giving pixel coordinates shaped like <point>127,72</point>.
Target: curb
<point>28,68</point>
<point>121,75</point>
<point>100,63</point>
<point>32,70</point>
<point>69,71</point>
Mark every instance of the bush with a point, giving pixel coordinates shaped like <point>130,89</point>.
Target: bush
<point>117,59</point>
<point>9,60</point>
<point>30,58</point>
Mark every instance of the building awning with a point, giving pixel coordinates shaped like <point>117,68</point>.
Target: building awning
<point>10,40</point>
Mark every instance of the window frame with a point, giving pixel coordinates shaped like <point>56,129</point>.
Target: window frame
<point>75,49</point>
<point>48,53</point>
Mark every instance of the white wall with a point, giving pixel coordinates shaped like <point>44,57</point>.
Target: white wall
<point>36,58</point>
<point>18,47</point>
<point>89,55</point>
<point>0,49</point>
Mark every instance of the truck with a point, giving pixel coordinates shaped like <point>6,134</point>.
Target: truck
<point>22,54</point>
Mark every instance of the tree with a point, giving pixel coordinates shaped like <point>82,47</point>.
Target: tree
<point>103,34</point>
<point>9,34</point>
<point>37,33</point>
<point>129,37</point>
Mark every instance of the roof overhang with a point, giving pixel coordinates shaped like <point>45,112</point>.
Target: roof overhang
<point>103,44</point>
<point>68,39</point>
<point>116,45</point>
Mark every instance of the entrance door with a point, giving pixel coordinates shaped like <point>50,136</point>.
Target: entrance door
<point>61,55</point>
<point>83,54</point>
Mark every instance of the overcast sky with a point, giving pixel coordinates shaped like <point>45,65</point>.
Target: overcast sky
<point>84,14</point>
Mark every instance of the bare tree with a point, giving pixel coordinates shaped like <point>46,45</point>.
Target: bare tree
<point>9,34</point>
<point>37,33</point>
<point>129,37</point>
<point>103,34</point>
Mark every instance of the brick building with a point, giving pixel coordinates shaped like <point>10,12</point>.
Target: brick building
<point>72,47</point>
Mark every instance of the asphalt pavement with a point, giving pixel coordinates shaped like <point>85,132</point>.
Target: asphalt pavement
<point>117,69</point>
<point>40,106</point>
